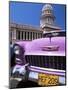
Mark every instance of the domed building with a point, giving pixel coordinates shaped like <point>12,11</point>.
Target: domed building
<point>28,32</point>
<point>47,21</point>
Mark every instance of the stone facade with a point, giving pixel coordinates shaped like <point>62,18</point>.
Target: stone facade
<point>24,32</point>
<point>27,32</point>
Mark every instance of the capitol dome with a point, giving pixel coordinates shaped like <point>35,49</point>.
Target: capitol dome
<point>47,7</point>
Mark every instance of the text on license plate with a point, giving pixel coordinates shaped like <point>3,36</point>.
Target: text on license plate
<point>48,80</point>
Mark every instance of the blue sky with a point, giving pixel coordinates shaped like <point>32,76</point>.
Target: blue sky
<point>29,13</point>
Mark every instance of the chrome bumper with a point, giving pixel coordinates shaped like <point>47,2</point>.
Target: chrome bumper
<point>34,71</point>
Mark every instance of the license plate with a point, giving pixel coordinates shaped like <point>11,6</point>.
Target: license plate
<point>48,80</point>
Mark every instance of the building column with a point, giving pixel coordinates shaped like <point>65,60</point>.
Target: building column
<point>32,35</point>
<point>10,38</point>
<point>37,35</point>
<point>14,34</point>
<point>20,35</point>
<point>11,33</point>
<point>17,35</point>
<point>23,35</point>
<point>26,35</point>
<point>29,36</point>
<point>40,35</point>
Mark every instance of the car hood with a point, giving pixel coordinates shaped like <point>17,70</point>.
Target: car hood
<point>35,46</point>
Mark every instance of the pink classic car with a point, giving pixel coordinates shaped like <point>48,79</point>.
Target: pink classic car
<point>44,59</point>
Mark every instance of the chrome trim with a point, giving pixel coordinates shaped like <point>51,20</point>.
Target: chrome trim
<point>47,71</point>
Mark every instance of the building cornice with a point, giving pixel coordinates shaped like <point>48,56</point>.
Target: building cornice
<point>24,26</point>
<point>52,26</point>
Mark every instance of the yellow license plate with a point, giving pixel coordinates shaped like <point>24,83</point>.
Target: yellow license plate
<point>48,80</point>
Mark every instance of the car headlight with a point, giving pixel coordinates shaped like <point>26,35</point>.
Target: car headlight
<point>17,50</point>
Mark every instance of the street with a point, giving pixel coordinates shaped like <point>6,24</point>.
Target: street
<point>21,84</point>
